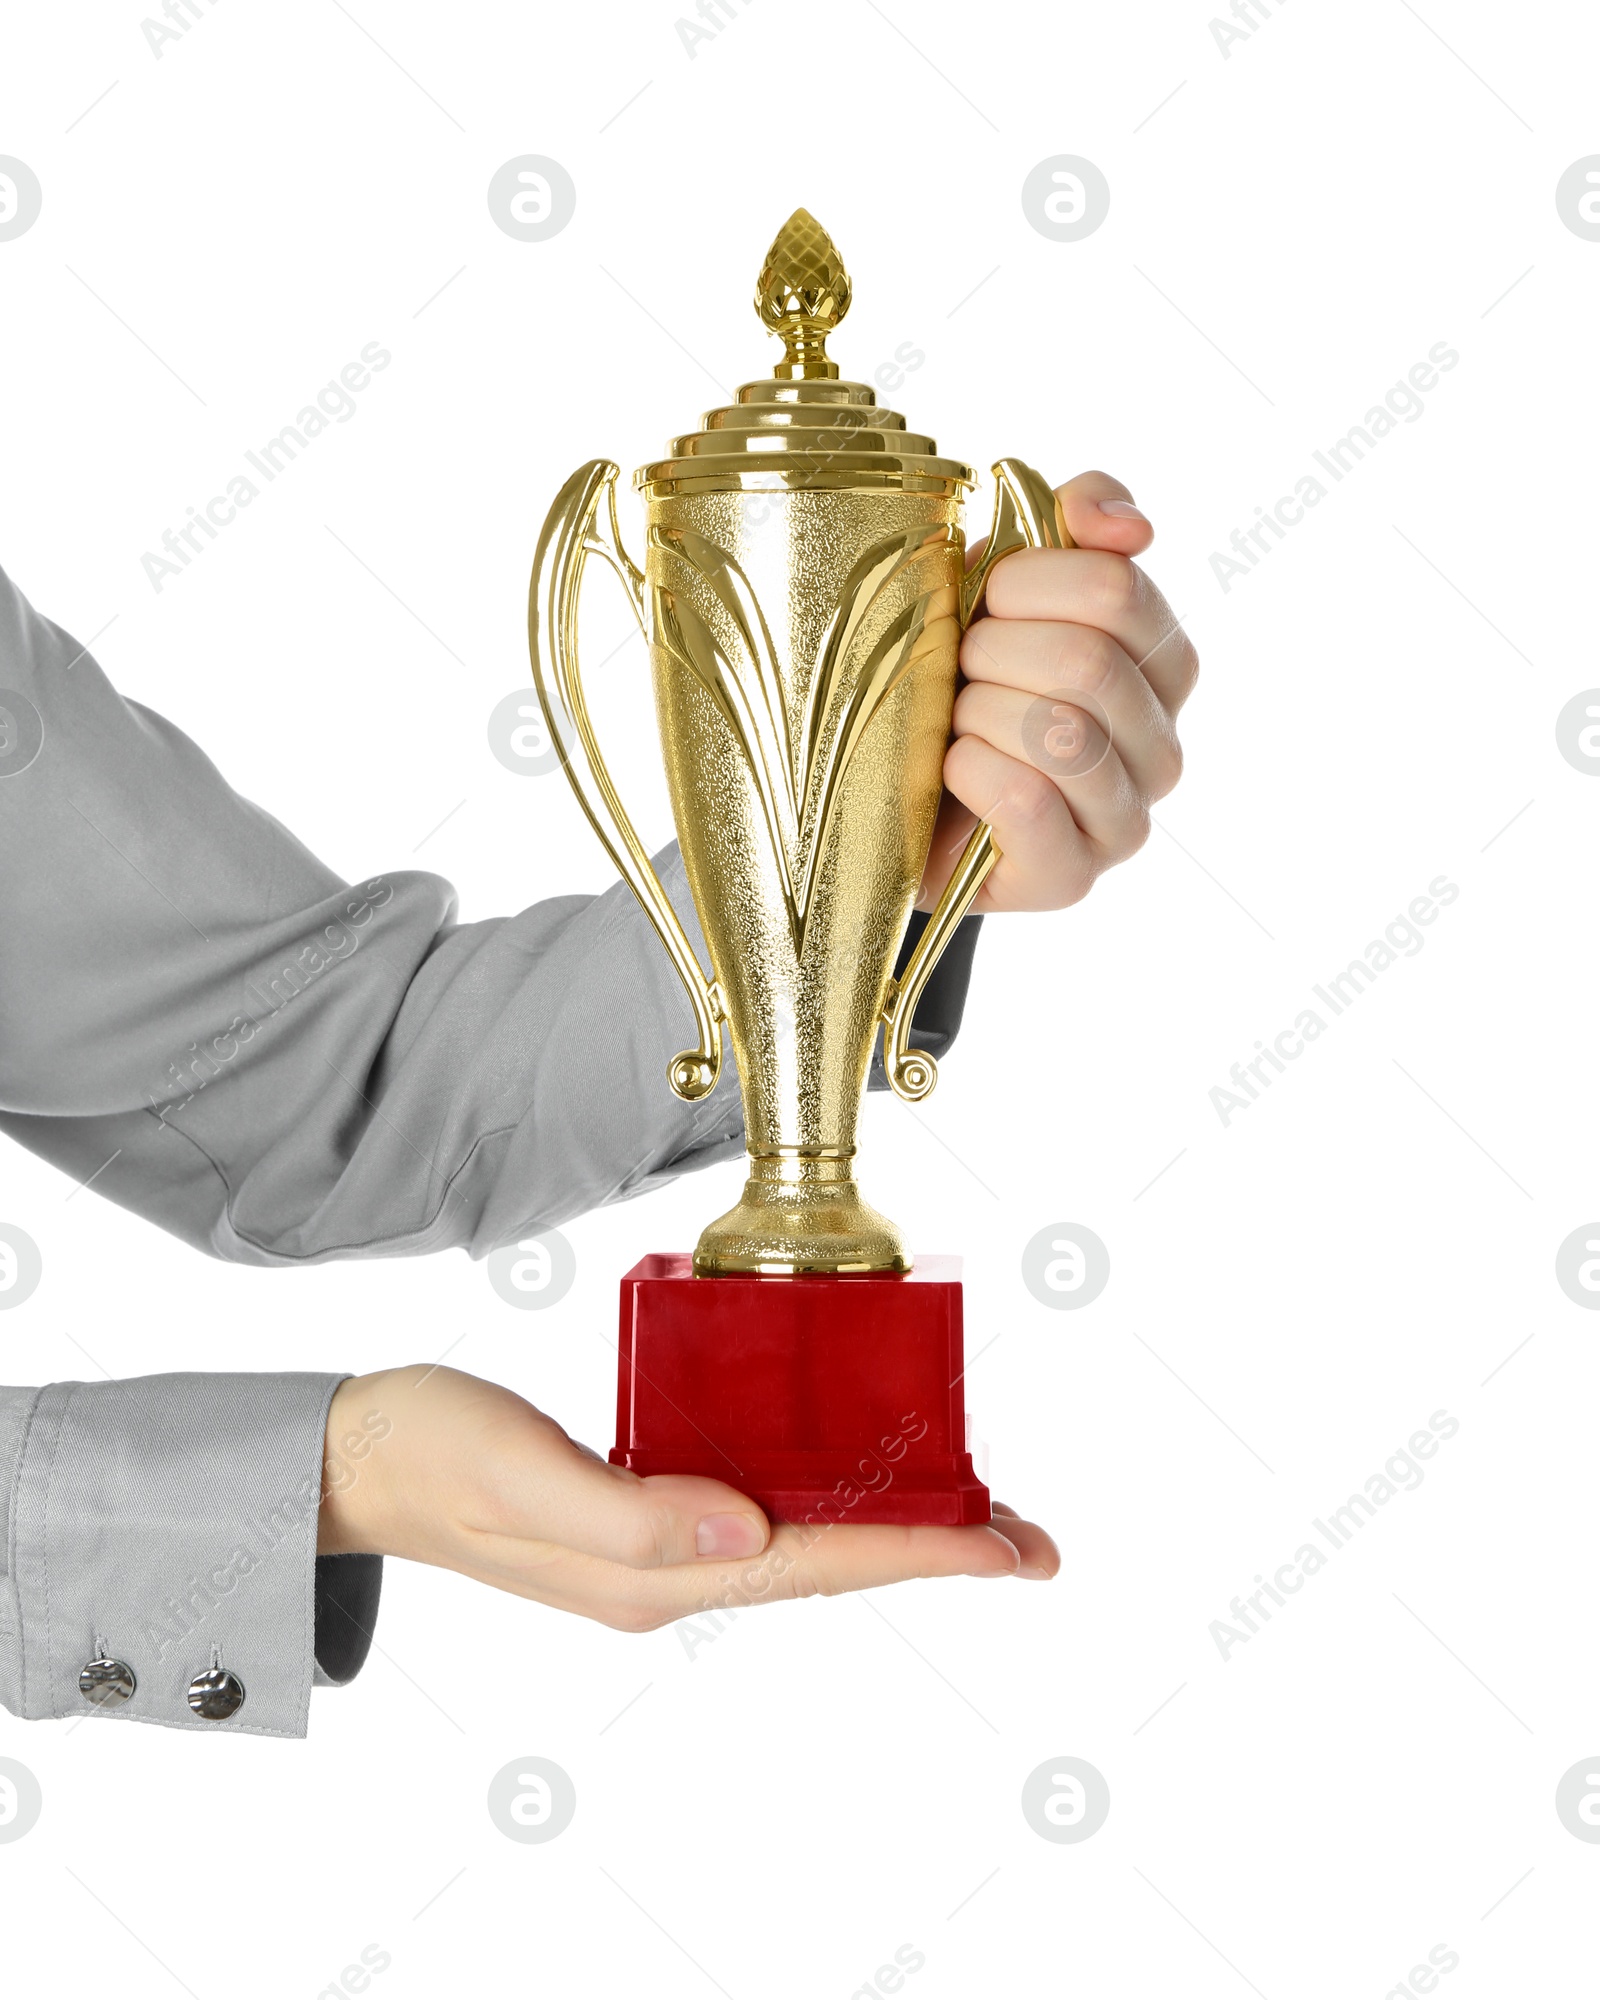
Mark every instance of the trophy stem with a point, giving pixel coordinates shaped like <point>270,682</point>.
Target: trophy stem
<point>801,1213</point>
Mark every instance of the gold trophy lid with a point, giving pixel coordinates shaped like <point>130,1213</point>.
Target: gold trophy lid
<point>802,426</point>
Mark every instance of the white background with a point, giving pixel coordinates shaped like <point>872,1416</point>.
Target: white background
<point>1296,225</point>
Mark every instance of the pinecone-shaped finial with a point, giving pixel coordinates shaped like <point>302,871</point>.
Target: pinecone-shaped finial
<point>803,293</point>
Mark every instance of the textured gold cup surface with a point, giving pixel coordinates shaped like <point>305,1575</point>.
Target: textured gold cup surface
<point>803,841</point>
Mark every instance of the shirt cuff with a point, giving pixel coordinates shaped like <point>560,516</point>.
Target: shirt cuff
<point>168,1525</point>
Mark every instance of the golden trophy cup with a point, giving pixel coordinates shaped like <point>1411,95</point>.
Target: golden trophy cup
<point>803,597</point>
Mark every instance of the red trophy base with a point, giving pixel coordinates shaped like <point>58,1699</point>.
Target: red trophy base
<point>824,1399</point>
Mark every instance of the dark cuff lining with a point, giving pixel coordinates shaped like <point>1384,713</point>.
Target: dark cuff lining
<point>347,1589</point>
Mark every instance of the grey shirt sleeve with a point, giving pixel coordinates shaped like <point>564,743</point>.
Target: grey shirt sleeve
<point>170,1521</point>
<point>287,1067</point>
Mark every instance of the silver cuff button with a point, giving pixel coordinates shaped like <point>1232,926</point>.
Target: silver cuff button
<point>216,1694</point>
<point>107,1683</point>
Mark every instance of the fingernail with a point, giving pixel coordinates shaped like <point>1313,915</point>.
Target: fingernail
<point>728,1535</point>
<point>1033,1573</point>
<point>1123,510</point>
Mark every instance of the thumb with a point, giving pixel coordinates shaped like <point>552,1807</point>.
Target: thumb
<point>1101,513</point>
<point>672,1517</point>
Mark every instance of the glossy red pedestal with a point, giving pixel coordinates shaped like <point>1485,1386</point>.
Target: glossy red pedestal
<point>824,1399</point>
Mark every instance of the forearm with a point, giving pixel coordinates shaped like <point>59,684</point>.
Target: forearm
<point>281,1068</point>
<point>278,1067</point>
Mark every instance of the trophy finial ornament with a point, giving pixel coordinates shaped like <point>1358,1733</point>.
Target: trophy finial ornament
<point>802,294</point>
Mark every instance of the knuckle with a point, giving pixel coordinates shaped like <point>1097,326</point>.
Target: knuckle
<point>1068,745</point>
<point>1117,584</point>
<point>980,649</point>
<point>1030,796</point>
<point>1167,769</point>
<point>964,716</point>
<point>648,1537</point>
<point>1096,661</point>
<point>1131,834</point>
<point>826,1581</point>
<point>1072,879</point>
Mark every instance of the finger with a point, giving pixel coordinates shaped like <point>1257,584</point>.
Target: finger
<point>802,1560</point>
<point>1054,660</point>
<point>1049,856</point>
<point>1046,860</point>
<point>952,829</point>
<point>808,1560</point>
<point>1037,1555</point>
<point>1073,752</point>
<point>551,1490</point>
<point>826,1560</point>
<point>1098,588</point>
<point>1101,513</point>
<point>1071,749</point>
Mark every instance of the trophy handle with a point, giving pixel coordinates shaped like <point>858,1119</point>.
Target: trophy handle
<point>576,528</point>
<point>1027,515</point>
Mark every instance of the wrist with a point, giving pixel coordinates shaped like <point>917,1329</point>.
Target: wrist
<point>354,1518</point>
